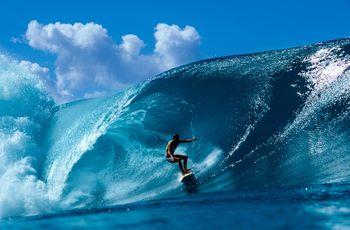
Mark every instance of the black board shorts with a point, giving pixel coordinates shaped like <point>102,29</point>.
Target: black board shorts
<point>170,159</point>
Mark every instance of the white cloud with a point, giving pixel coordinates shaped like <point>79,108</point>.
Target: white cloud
<point>131,45</point>
<point>34,68</point>
<point>175,45</point>
<point>17,40</point>
<point>90,63</point>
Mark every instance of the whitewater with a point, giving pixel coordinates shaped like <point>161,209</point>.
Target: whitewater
<point>271,127</point>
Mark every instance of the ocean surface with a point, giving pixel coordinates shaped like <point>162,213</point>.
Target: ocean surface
<point>273,147</point>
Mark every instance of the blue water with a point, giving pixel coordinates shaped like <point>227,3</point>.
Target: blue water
<point>320,207</point>
<point>273,148</point>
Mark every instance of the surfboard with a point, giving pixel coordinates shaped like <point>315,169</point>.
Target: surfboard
<point>183,177</point>
<point>190,183</point>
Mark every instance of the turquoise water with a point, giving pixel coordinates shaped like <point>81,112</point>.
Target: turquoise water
<point>315,207</point>
<point>273,150</point>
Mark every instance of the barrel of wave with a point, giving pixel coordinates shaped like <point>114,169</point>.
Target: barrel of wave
<point>75,129</point>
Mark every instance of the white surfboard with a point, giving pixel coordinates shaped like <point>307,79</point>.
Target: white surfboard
<point>185,175</point>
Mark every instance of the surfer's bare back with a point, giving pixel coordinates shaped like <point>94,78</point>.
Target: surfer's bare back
<point>173,158</point>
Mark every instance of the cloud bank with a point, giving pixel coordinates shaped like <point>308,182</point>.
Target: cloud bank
<point>90,63</point>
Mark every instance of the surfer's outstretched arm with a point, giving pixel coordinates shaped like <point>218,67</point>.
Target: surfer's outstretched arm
<point>187,140</point>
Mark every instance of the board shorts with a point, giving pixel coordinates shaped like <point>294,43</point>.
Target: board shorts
<point>170,159</point>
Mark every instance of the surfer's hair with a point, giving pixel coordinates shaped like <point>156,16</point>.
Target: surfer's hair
<point>176,136</point>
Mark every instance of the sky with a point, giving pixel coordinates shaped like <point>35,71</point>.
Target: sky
<point>91,48</point>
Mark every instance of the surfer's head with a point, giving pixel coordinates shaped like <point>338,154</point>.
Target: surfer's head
<point>176,137</point>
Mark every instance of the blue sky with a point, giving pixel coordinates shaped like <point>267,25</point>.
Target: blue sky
<point>224,27</point>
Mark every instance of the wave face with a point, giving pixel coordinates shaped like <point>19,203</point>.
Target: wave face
<point>276,118</point>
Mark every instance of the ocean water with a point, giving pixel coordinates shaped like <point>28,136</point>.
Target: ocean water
<point>273,133</point>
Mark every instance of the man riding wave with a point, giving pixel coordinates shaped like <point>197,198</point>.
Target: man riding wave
<point>173,158</point>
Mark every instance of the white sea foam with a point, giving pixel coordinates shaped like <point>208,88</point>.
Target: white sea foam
<point>23,105</point>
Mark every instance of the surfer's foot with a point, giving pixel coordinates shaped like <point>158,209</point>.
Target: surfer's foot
<point>188,170</point>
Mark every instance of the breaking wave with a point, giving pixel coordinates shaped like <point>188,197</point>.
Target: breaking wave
<point>275,118</point>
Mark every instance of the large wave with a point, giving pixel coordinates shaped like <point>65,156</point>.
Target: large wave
<point>275,118</point>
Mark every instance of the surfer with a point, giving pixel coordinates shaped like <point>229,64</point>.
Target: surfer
<point>173,158</point>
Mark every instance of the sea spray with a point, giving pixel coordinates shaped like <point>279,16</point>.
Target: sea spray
<point>25,108</point>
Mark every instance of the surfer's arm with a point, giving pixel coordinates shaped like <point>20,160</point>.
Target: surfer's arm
<point>188,140</point>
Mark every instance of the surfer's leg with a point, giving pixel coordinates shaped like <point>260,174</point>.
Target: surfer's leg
<point>178,159</point>
<point>185,163</point>
<point>184,158</point>
<point>181,167</point>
